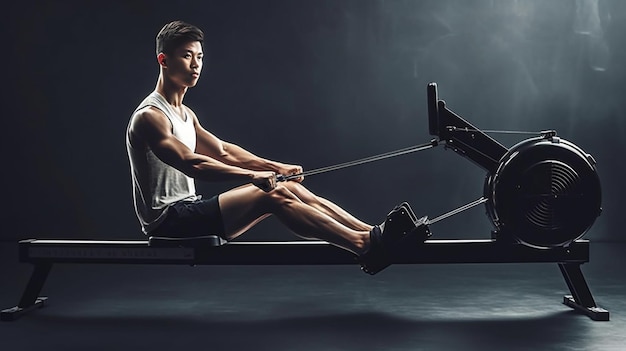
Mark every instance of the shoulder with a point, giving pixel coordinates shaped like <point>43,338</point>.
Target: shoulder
<point>149,115</point>
<point>149,121</point>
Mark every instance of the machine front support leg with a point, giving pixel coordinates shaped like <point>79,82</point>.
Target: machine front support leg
<point>30,298</point>
<point>581,298</point>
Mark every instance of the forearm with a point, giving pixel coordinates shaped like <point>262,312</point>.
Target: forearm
<point>237,156</point>
<point>205,168</point>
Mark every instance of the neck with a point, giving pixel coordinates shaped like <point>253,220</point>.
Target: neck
<point>171,91</point>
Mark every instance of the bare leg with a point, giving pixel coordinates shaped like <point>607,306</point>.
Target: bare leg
<point>245,206</point>
<point>328,207</point>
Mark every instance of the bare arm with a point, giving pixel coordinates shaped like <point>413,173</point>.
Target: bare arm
<point>151,128</point>
<point>232,154</point>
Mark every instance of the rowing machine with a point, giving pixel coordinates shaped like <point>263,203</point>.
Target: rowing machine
<point>542,196</point>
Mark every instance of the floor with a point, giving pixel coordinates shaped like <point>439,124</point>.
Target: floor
<point>428,307</point>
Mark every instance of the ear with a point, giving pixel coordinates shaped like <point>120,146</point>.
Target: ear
<point>161,59</point>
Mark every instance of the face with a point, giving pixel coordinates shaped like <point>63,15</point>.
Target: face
<point>184,65</point>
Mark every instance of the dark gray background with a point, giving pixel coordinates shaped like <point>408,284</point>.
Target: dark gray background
<point>309,82</point>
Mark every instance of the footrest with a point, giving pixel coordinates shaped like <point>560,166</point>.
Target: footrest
<point>401,231</point>
<point>193,242</point>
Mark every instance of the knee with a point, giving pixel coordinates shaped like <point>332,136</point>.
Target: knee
<point>299,191</point>
<point>281,196</point>
<point>294,188</point>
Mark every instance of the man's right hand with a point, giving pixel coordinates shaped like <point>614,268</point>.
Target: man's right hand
<point>265,181</point>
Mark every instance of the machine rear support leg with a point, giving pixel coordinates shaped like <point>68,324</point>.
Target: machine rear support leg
<point>30,298</point>
<point>581,298</point>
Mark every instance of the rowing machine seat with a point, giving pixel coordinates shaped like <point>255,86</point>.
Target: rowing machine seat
<point>192,242</point>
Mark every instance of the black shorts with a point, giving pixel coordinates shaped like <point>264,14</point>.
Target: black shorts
<point>192,218</point>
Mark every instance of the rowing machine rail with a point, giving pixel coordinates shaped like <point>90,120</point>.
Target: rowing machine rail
<point>44,253</point>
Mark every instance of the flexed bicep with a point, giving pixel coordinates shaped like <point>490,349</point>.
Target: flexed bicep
<point>151,128</point>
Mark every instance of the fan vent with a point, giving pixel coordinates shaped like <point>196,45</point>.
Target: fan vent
<point>545,204</point>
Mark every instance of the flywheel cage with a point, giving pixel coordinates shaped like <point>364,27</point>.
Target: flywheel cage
<point>545,192</point>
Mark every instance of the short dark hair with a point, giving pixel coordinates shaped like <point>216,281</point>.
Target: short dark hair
<point>176,33</point>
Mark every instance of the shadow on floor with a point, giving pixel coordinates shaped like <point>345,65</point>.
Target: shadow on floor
<point>356,331</point>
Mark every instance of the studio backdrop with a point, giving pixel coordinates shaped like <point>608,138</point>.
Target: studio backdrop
<point>310,82</point>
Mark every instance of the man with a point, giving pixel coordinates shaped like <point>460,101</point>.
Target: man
<point>168,149</point>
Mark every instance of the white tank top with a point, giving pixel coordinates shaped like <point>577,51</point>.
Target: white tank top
<point>157,185</point>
